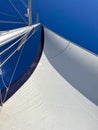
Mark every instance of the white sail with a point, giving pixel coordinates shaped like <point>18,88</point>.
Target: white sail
<point>78,66</point>
<point>10,35</point>
<point>47,101</point>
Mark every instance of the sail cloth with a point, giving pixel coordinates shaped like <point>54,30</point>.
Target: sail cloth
<point>78,66</point>
<point>47,101</point>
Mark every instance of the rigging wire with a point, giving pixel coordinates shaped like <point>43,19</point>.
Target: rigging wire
<point>9,85</point>
<point>24,3</point>
<point>16,67</point>
<point>13,74</point>
<point>2,13</point>
<point>2,77</point>
<point>8,58</point>
<point>11,45</point>
<point>18,11</point>
<point>14,52</point>
<point>1,98</point>
<point>3,21</point>
<point>1,64</point>
<point>3,53</point>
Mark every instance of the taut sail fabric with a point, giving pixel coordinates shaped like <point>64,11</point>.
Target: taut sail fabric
<point>47,101</point>
<point>78,66</point>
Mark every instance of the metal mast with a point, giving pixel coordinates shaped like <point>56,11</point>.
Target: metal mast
<point>30,12</point>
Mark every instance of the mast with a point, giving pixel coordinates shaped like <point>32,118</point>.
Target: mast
<point>30,12</point>
<point>29,15</point>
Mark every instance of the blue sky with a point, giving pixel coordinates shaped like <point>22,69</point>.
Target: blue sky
<point>76,20</point>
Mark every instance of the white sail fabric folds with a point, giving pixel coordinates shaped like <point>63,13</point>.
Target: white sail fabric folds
<point>10,35</point>
<point>47,101</point>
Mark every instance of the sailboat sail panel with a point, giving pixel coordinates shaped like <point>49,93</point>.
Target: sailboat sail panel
<point>50,98</point>
<point>50,93</point>
<point>78,66</point>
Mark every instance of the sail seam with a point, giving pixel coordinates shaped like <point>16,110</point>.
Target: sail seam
<point>60,52</point>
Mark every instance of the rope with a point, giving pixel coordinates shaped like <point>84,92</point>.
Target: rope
<point>18,11</point>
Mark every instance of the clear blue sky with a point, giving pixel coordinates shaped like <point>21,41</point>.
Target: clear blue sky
<point>76,20</point>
